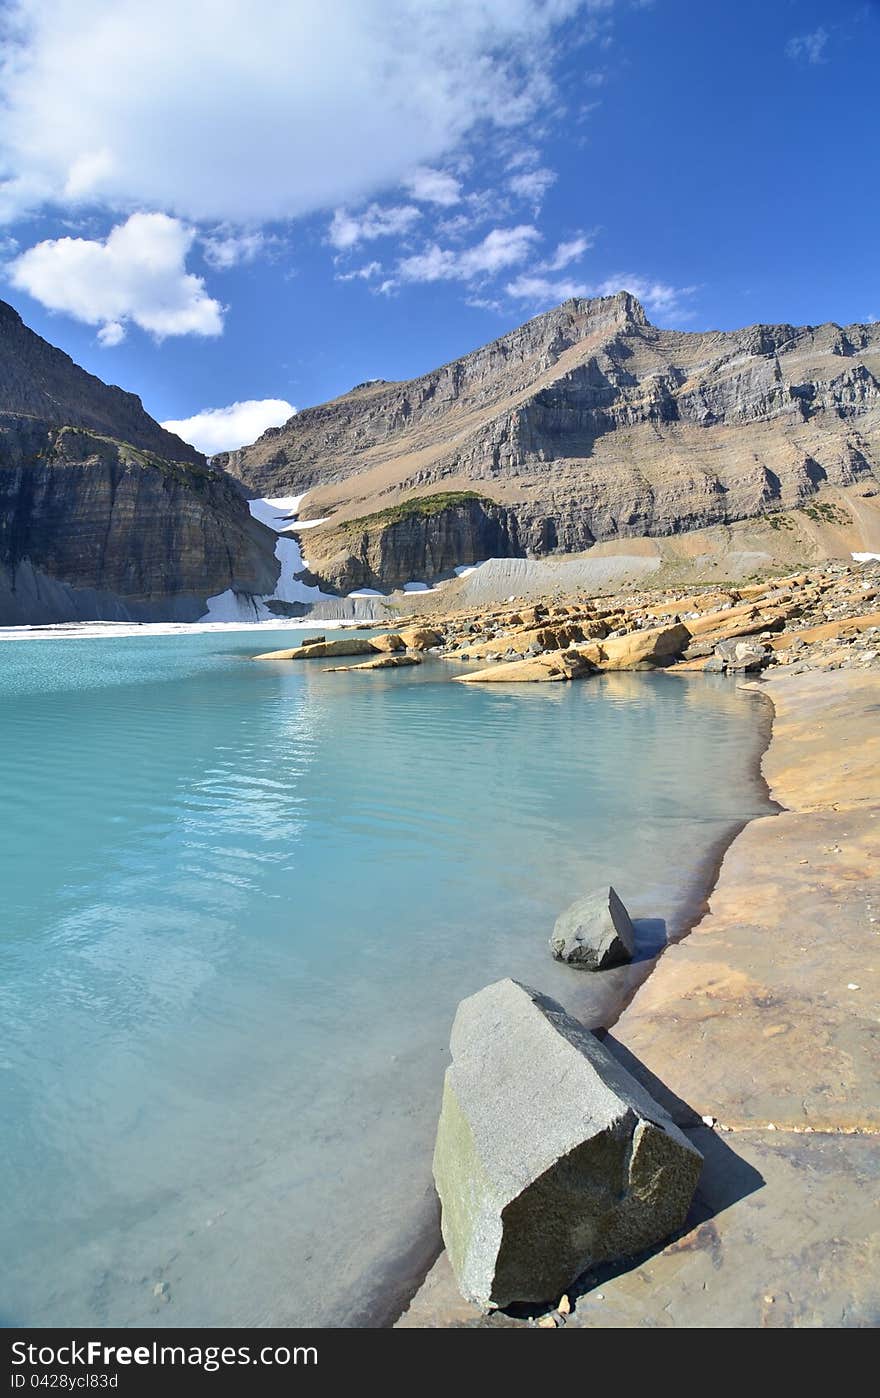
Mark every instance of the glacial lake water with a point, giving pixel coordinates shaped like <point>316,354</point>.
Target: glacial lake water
<point>240,905</point>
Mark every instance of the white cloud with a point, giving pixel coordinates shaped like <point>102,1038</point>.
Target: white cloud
<point>657,297</point>
<point>543,290</point>
<point>225,249</point>
<point>500,249</point>
<point>523,158</point>
<point>225,429</point>
<point>810,48</point>
<point>113,333</point>
<point>138,273</point>
<point>248,111</point>
<point>566,253</point>
<point>532,184</point>
<point>433,187</point>
<point>365,273</point>
<point>347,230</point>
<point>86,174</point>
<point>484,303</point>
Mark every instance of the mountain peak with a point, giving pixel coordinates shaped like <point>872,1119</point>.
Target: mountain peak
<point>583,317</point>
<point>39,381</point>
<point>622,303</point>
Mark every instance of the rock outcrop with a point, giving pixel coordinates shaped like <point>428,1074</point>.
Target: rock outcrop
<point>321,650</point>
<point>104,514</point>
<point>824,616</point>
<point>586,424</point>
<point>594,933</point>
<point>420,638</point>
<point>652,648</point>
<point>392,547</point>
<point>556,665</point>
<point>550,1158</point>
<point>381,662</point>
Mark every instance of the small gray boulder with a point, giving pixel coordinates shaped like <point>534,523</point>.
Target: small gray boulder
<point>550,1157</point>
<point>594,933</point>
<point>742,655</point>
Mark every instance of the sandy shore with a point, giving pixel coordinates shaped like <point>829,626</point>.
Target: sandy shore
<point>765,1020</point>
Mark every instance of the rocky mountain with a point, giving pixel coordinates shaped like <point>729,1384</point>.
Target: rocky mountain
<point>104,514</point>
<point>586,424</point>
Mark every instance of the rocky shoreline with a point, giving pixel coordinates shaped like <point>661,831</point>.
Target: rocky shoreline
<point>756,1034</point>
<point>827,618</point>
<point>755,1031</point>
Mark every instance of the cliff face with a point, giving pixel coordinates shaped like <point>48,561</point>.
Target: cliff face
<point>103,514</point>
<point>587,424</point>
<point>388,552</point>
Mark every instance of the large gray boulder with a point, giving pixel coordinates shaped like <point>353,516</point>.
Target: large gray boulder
<point>550,1157</point>
<point>594,933</point>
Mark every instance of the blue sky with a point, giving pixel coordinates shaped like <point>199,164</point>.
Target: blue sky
<point>231,204</point>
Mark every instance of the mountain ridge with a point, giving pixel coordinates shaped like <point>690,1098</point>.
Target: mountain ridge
<point>41,381</point>
<point>585,424</point>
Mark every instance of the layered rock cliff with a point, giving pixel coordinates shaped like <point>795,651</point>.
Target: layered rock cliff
<point>104,514</point>
<point>584,425</point>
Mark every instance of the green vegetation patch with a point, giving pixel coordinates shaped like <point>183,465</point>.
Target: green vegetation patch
<point>184,472</point>
<point>779,521</point>
<point>424,507</point>
<point>824,512</point>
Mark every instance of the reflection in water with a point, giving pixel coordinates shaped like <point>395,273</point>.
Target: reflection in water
<point>242,903</point>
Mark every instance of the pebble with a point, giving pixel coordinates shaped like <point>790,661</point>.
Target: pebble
<point>162,1290</point>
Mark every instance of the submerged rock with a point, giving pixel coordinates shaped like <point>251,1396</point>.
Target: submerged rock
<point>594,933</point>
<point>550,1157</point>
<point>381,662</point>
<point>349,645</point>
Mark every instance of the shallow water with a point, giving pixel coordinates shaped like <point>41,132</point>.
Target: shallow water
<point>241,904</point>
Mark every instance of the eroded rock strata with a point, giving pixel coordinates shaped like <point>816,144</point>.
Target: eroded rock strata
<point>586,424</point>
<point>102,512</point>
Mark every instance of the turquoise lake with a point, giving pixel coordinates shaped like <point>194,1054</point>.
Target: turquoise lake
<point>241,903</point>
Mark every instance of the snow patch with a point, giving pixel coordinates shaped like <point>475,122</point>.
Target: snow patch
<point>866,557</point>
<point>235,606</point>
<point>278,514</point>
